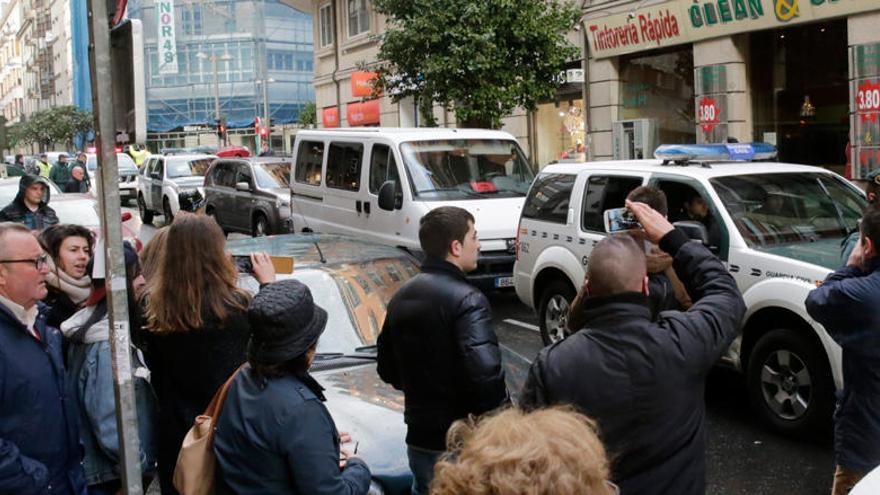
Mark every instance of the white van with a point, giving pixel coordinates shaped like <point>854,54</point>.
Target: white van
<point>377,183</point>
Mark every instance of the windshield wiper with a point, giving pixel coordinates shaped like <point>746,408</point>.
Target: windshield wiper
<point>366,352</point>
<point>450,189</point>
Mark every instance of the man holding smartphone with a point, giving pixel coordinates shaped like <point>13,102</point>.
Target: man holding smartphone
<point>642,380</point>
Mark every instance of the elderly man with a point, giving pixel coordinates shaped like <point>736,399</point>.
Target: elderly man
<point>30,206</point>
<point>39,436</point>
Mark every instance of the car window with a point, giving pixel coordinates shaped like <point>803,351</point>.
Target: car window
<point>243,174</point>
<point>309,160</point>
<point>604,193</point>
<point>159,167</point>
<point>187,168</point>
<point>549,198</point>
<point>383,167</point>
<point>224,175</point>
<point>272,175</point>
<point>344,165</point>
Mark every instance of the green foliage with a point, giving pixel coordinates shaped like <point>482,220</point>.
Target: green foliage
<point>481,58</point>
<point>308,116</point>
<point>50,127</point>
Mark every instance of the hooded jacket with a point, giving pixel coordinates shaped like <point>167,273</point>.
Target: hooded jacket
<point>16,211</point>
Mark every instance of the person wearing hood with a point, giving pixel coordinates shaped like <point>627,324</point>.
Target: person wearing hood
<point>69,248</point>
<point>31,204</point>
<point>90,369</point>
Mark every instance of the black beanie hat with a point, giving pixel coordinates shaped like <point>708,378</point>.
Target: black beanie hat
<point>285,322</point>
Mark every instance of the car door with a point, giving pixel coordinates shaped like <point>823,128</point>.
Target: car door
<point>307,187</point>
<point>218,193</point>
<point>601,191</point>
<point>242,201</point>
<point>157,178</point>
<point>382,225</point>
<point>343,204</point>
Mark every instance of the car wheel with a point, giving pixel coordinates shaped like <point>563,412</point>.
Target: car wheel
<point>553,311</point>
<point>146,215</point>
<point>790,383</point>
<point>166,212</point>
<point>260,226</point>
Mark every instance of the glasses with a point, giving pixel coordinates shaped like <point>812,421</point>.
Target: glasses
<point>39,262</point>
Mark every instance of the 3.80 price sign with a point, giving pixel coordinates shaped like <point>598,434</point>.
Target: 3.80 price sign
<point>868,100</point>
<point>708,112</point>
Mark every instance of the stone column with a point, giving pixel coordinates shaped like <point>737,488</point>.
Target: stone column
<point>721,78</point>
<point>604,105</point>
<point>864,74</point>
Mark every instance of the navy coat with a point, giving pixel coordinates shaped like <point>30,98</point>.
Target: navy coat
<point>846,305</point>
<point>276,436</point>
<point>39,432</point>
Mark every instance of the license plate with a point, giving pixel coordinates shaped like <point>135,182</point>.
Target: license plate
<point>504,282</point>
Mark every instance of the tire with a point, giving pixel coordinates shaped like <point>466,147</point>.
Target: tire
<point>166,212</point>
<point>553,311</point>
<point>146,215</point>
<point>790,383</point>
<point>260,226</point>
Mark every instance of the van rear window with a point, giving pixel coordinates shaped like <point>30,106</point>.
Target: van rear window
<point>309,160</point>
<point>549,198</point>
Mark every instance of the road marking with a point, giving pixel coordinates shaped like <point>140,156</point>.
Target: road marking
<point>520,356</point>
<point>522,324</point>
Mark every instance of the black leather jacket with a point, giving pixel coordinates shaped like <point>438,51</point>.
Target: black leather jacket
<point>438,346</point>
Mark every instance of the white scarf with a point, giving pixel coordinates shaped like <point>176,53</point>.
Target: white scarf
<point>77,289</point>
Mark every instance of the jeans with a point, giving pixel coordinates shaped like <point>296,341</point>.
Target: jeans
<point>421,463</point>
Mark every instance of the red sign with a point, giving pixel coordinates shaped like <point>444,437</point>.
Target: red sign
<point>708,113</point>
<point>365,113</point>
<point>868,101</point>
<point>330,117</point>
<point>362,83</point>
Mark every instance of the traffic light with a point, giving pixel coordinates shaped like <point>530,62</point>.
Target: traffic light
<point>221,127</point>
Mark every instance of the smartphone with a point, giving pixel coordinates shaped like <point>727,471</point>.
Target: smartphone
<point>619,220</point>
<point>243,263</point>
<point>282,264</point>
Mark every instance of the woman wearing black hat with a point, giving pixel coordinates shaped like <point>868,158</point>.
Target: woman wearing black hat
<point>274,435</point>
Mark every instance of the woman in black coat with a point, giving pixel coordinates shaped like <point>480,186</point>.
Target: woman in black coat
<point>69,248</point>
<point>196,329</point>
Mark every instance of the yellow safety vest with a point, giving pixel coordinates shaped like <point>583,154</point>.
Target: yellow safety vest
<point>138,156</point>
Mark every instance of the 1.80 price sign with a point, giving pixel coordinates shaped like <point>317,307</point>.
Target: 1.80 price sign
<point>868,100</point>
<point>708,112</point>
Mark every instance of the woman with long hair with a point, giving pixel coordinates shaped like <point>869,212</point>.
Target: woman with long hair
<point>70,248</point>
<point>196,328</point>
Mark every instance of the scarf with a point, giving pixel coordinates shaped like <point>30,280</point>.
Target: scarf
<point>77,290</point>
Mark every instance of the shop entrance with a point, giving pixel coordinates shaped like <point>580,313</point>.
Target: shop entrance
<point>800,92</point>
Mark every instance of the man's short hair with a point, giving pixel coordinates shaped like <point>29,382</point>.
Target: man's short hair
<point>5,229</point>
<point>651,196</point>
<point>870,226</point>
<point>440,226</point>
<point>616,265</point>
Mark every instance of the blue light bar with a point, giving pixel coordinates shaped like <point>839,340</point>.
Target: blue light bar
<point>715,152</point>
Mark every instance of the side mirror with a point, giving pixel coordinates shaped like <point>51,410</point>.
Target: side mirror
<point>242,186</point>
<point>389,197</point>
<point>695,231</point>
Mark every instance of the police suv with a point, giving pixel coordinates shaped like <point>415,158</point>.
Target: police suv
<point>778,228</point>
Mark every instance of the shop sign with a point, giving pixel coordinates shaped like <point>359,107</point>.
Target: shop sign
<point>362,83</point>
<point>868,100</point>
<point>684,21</point>
<point>708,113</point>
<point>366,113</point>
<point>165,37</point>
<point>330,117</point>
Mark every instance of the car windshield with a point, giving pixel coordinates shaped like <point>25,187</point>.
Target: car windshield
<point>124,162</point>
<point>466,169</point>
<point>272,175</point>
<point>785,209</point>
<point>186,168</point>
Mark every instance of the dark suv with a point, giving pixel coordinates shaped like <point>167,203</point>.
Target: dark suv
<point>250,195</point>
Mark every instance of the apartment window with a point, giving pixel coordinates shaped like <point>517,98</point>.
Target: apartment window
<point>358,17</point>
<point>326,20</point>
<point>279,60</point>
<point>192,20</point>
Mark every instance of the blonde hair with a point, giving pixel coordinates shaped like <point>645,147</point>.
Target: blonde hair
<point>152,253</point>
<point>548,451</point>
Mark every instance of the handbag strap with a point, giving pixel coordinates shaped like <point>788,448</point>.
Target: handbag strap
<point>216,404</point>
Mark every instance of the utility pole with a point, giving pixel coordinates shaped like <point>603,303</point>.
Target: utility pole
<point>111,235</point>
<point>214,59</point>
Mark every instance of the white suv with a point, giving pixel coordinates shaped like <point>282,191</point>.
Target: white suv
<point>778,228</point>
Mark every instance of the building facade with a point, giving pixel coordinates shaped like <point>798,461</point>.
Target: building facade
<point>11,63</point>
<point>237,60</point>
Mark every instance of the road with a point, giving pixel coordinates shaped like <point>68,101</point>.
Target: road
<point>742,456</point>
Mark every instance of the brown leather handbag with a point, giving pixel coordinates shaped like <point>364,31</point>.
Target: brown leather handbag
<point>194,471</point>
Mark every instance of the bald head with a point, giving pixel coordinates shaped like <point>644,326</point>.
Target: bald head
<point>617,264</point>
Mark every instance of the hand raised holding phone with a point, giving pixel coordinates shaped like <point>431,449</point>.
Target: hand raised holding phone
<point>653,223</point>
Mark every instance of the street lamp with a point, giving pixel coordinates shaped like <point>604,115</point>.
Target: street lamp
<point>214,59</point>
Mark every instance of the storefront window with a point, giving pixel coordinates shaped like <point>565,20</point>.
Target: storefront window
<point>659,85</point>
<point>800,92</point>
<point>560,132</point>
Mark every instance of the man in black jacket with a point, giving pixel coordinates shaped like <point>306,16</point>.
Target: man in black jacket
<point>438,343</point>
<point>643,381</point>
<point>30,205</point>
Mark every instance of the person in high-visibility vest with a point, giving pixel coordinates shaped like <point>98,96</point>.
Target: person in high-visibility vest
<point>138,155</point>
<point>43,165</point>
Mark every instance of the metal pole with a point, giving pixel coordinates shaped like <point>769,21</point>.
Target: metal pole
<point>111,232</point>
<point>266,122</point>
<point>216,89</point>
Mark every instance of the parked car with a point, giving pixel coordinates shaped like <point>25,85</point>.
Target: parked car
<point>378,183</point>
<point>233,151</point>
<point>249,195</point>
<point>128,176</point>
<point>778,227</point>
<point>164,177</point>
<point>353,280</point>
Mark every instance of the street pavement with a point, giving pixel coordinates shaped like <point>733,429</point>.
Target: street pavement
<point>743,457</point>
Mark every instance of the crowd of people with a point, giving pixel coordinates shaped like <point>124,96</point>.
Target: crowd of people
<point>617,407</point>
